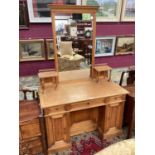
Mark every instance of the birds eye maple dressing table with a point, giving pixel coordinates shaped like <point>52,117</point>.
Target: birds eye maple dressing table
<point>79,104</point>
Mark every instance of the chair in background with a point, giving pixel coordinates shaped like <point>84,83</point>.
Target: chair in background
<point>67,58</point>
<point>31,124</point>
<point>129,110</point>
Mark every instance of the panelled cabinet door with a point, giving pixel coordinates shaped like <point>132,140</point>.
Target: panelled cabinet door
<point>113,119</point>
<point>57,127</point>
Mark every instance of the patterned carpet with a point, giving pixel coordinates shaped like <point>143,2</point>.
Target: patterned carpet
<point>90,143</point>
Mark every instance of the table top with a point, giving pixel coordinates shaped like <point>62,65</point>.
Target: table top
<point>78,90</point>
<point>47,74</point>
<point>102,68</point>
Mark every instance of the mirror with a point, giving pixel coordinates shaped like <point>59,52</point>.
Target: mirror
<point>74,41</point>
<point>74,34</point>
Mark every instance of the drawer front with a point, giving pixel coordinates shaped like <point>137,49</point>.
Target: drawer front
<point>30,129</point>
<point>54,110</point>
<point>114,99</point>
<point>31,147</point>
<point>75,106</point>
<point>85,104</point>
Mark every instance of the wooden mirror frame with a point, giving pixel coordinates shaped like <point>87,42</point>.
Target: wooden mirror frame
<point>74,9</point>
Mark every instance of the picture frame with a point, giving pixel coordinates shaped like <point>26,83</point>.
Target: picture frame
<point>50,49</point>
<point>125,45</point>
<point>40,13</point>
<point>23,15</point>
<point>32,50</point>
<point>109,11</point>
<point>105,46</point>
<point>128,11</point>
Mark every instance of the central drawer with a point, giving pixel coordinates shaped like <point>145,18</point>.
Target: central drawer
<point>86,104</point>
<point>74,106</point>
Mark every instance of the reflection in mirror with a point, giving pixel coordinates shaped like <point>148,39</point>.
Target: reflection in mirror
<point>74,41</point>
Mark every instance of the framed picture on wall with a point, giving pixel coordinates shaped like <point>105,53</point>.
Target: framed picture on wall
<point>31,50</point>
<point>128,10</point>
<point>109,10</point>
<point>23,15</point>
<point>125,45</point>
<point>50,49</point>
<point>40,13</point>
<point>105,46</point>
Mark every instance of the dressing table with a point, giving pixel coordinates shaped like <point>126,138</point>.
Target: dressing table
<point>79,104</point>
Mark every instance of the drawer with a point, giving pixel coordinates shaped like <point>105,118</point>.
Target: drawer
<point>30,129</point>
<point>32,146</point>
<point>85,104</point>
<point>54,110</point>
<point>114,99</point>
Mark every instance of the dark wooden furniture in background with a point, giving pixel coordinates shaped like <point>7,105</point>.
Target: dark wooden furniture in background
<point>129,111</point>
<point>31,126</point>
<point>81,27</point>
<point>23,15</point>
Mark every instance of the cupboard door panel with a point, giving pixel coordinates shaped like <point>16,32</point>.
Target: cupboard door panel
<point>57,128</point>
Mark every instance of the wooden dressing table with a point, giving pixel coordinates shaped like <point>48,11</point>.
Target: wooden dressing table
<point>81,105</point>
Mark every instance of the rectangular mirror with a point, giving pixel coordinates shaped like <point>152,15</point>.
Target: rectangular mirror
<point>74,37</point>
<point>74,41</point>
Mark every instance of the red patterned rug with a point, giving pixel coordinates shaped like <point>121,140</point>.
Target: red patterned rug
<point>87,144</point>
<point>90,143</point>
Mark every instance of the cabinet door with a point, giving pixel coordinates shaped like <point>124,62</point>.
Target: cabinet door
<point>57,127</point>
<point>114,117</point>
<point>110,119</point>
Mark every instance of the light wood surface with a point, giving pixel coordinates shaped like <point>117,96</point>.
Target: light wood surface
<point>47,74</point>
<point>78,91</point>
<point>102,68</point>
<point>74,75</point>
<point>102,71</point>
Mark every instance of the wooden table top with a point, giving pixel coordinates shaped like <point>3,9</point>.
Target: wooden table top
<point>102,68</point>
<point>47,74</point>
<point>76,91</point>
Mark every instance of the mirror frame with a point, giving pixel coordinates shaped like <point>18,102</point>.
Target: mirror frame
<point>74,9</point>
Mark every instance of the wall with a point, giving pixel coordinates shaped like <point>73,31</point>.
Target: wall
<point>41,31</point>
